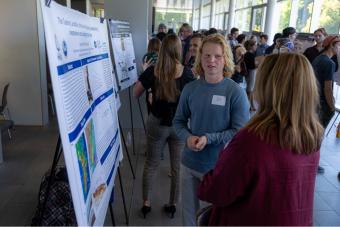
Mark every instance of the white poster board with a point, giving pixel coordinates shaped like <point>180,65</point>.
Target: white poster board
<point>82,80</point>
<point>123,52</point>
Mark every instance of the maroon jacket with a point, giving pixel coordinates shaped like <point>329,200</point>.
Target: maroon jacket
<point>256,183</point>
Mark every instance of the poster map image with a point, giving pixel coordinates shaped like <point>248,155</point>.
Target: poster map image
<point>91,145</point>
<point>83,165</point>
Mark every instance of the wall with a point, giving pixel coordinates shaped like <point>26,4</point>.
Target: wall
<point>20,63</point>
<point>137,13</point>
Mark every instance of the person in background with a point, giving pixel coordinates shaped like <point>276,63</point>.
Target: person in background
<point>312,52</point>
<point>212,31</point>
<point>266,174</point>
<point>270,49</point>
<point>195,44</point>
<point>254,38</point>
<point>171,31</point>
<point>150,58</point>
<point>261,48</point>
<point>234,32</point>
<point>324,68</point>
<point>162,30</point>
<point>166,79</point>
<point>185,35</point>
<point>241,38</point>
<point>215,107</point>
<point>289,33</point>
<point>249,59</point>
<point>240,66</point>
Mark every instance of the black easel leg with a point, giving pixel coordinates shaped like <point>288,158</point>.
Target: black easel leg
<point>112,216</point>
<point>123,196</point>
<point>141,115</point>
<point>57,154</point>
<point>127,151</point>
<point>132,128</point>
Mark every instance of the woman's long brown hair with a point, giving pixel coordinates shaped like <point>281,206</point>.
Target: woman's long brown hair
<point>166,68</point>
<point>287,93</point>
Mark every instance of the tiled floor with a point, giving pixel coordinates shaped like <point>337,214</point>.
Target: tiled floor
<point>29,154</point>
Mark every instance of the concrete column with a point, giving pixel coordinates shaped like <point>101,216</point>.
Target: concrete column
<point>88,8</point>
<point>201,17</point>
<point>231,15</point>
<point>269,27</point>
<point>212,13</point>
<point>315,15</point>
<point>294,13</point>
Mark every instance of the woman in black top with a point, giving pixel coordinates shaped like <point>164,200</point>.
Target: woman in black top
<point>249,59</point>
<point>166,80</point>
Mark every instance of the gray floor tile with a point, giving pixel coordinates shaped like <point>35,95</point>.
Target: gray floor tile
<point>328,218</point>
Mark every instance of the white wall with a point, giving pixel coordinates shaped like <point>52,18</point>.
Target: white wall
<point>137,13</point>
<point>20,62</point>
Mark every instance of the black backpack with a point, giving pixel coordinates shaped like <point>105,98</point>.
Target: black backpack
<point>59,209</point>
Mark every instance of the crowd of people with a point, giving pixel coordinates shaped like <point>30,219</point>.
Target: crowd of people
<point>243,121</point>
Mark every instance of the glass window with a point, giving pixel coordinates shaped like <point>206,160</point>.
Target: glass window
<point>196,18</point>
<point>258,19</point>
<point>284,8</point>
<point>330,16</point>
<point>205,23</point>
<point>305,8</point>
<point>242,19</point>
<point>226,15</point>
<point>173,13</point>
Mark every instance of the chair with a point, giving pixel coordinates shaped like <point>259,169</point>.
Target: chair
<point>4,108</point>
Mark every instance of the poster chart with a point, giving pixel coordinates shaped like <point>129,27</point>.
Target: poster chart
<point>82,80</point>
<point>123,52</point>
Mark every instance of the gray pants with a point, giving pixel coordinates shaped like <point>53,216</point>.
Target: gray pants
<point>190,180</point>
<point>157,137</point>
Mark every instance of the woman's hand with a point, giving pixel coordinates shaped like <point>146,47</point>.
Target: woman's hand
<point>147,64</point>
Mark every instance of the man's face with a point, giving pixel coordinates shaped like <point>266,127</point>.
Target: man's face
<point>263,41</point>
<point>212,60</point>
<point>195,44</point>
<point>185,33</point>
<point>235,34</point>
<point>318,37</point>
<point>292,37</point>
<point>162,29</point>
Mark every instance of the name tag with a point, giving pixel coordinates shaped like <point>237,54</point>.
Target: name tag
<point>218,100</point>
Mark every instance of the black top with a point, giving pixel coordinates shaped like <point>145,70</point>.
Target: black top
<point>249,59</point>
<point>270,49</point>
<point>324,69</point>
<point>162,109</point>
<point>311,53</point>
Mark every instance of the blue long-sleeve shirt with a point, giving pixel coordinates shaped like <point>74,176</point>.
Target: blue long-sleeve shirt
<point>217,111</point>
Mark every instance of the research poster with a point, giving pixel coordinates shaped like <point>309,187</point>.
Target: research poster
<point>82,80</point>
<point>123,52</point>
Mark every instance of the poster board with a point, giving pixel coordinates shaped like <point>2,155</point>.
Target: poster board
<point>82,80</point>
<point>123,52</point>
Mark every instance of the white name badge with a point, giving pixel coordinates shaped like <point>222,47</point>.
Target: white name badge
<point>218,100</point>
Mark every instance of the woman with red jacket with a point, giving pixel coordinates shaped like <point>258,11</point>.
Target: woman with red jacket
<point>266,175</point>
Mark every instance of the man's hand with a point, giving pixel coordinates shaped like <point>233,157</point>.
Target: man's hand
<point>201,143</point>
<point>191,142</point>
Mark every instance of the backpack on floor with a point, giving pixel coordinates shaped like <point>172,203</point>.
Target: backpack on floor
<point>59,207</point>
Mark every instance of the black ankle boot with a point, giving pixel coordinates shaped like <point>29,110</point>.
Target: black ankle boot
<point>145,210</point>
<point>170,209</point>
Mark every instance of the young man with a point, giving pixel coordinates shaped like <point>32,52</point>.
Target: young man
<point>185,34</point>
<point>234,32</point>
<point>312,52</point>
<point>289,33</point>
<point>261,49</point>
<point>324,68</point>
<point>217,108</point>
